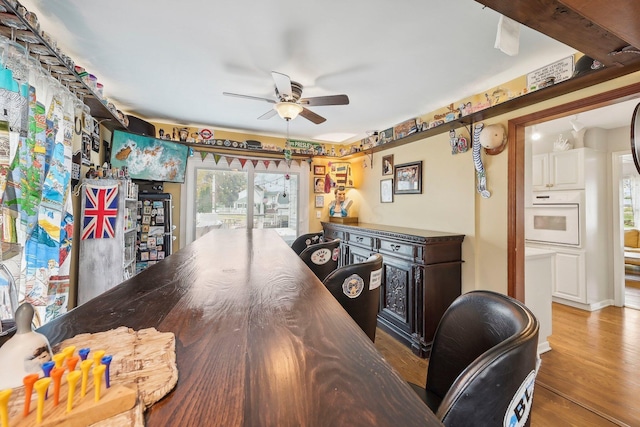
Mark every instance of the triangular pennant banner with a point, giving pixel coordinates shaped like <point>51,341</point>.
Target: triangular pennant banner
<point>277,162</point>
<point>266,163</point>
<point>203,155</point>
<point>255,163</point>
<point>216,158</point>
<point>229,160</point>
<point>242,162</point>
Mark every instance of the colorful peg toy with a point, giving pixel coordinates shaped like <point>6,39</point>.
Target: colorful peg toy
<point>4,407</point>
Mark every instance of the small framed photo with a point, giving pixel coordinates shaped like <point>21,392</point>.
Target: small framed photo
<point>319,201</point>
<point>387,165</point>
<point>408,178</point>
<point>318,185</point>
<point>386,190</point>
<point>319,170</point>
<point>146,210</point>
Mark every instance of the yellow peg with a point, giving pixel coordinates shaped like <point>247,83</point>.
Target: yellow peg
<point>98,373</point>
<point>72,381</point>
<point>41,387</point>
<point>58,359</point>
<point>4,407</point>
<point>97,356</point>
<point>85,365</point>
<point>69,351</point>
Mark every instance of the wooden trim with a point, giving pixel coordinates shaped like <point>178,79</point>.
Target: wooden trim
<point>515,172</point>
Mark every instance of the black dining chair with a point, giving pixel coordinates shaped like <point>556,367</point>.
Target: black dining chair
<point>304,240</point>
<point>322,258</point>
<point>357,289</point>
<point>483,362</point>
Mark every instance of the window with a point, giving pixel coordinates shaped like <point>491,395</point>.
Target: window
<point>227,196</point>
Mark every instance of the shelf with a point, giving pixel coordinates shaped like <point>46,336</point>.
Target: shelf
<point>99,111</point>
<point>129,230</point>
<point>523,101</point>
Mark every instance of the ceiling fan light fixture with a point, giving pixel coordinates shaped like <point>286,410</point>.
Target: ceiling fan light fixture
<point>288,110</point>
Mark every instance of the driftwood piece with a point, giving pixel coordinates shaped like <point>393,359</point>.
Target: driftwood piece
<point>143,360</point>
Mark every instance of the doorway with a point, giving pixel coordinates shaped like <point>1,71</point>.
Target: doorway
<point>627,178</point>
<point>517,193</point>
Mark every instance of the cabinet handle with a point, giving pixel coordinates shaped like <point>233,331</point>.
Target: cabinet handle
<point>395,248</point>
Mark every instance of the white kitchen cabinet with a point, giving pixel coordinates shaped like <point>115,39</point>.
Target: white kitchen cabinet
<point>569,281</point>
<point>559,170</point>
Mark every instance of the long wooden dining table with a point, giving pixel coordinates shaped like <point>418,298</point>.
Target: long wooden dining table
<point>259,340</point>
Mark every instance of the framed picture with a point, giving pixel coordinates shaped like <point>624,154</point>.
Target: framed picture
<point>319,201</point>
<point>318,185</point>
<point>387,165</point>
<point>319,170</point>
<point>386,190</point>
<point>408,178</point>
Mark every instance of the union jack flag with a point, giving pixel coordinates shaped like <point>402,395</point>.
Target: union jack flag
<point>100,212</point>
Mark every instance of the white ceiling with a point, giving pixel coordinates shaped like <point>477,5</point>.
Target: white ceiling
<point>170,61</point>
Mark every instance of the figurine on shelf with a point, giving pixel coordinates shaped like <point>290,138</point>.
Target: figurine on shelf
<point>340,206</point>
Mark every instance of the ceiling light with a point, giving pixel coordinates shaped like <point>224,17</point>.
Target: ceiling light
<point>535,135</point>
<point>288,110</point>
<point>575,124</point>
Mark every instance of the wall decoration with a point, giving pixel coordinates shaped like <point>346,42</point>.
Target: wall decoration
<point>405,128</point>
<point>408,178</point>
<point>319,170</point>
<point>319,201</point>
<point>481,177</point>
<point>387,165</point>
<point>386,190</point>
<point>494,139</point>
<point>318,185</point>
<point>340,174</point>
<point>385,136</point>
<point>459,144</point>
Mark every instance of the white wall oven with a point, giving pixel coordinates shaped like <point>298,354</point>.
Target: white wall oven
<point>555,218</point>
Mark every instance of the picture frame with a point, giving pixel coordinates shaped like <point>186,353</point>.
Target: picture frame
<point>319,202</point>
<point>318,184</point>
<point>386,190</point>
<point>408,178</point>
<point>387,165</point>
<point>319,170</point>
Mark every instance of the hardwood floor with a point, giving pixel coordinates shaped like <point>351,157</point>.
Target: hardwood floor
<point>591,377</point>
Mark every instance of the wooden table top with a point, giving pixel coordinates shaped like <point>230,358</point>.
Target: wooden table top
<point>259,340</point>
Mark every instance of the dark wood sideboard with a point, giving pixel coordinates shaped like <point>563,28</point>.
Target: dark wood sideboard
<point>421,275</point>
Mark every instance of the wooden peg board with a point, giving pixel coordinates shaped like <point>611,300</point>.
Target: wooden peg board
<point>144,363</point>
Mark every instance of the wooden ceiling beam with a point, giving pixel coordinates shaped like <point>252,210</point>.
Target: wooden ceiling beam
<point>585,28</point>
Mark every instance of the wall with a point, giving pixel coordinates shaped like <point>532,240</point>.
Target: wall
<point>449,201</point>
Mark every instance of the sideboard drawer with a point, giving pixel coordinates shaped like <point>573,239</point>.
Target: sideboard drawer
<point>405,250</point>
<point>364,241</point>
<point>334,234</point>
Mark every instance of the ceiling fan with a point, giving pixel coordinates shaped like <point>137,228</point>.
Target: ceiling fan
<point>288,103</point>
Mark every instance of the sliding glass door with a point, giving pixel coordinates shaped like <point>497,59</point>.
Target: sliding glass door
<point>229,198</point>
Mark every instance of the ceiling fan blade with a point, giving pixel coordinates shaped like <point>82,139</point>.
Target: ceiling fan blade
<point>326,100</point>
<point>257,98</point>
<point>311,116</point>
<point>268,115</point>
<point>283,84</point>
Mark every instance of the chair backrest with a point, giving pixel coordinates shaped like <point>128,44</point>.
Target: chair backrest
<point>304,240</point>
<point>322,258</point>
<point>357,289</point>
<point>483,361</point>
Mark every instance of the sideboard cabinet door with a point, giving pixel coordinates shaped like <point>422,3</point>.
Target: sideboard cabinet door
<point>421,276</point>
